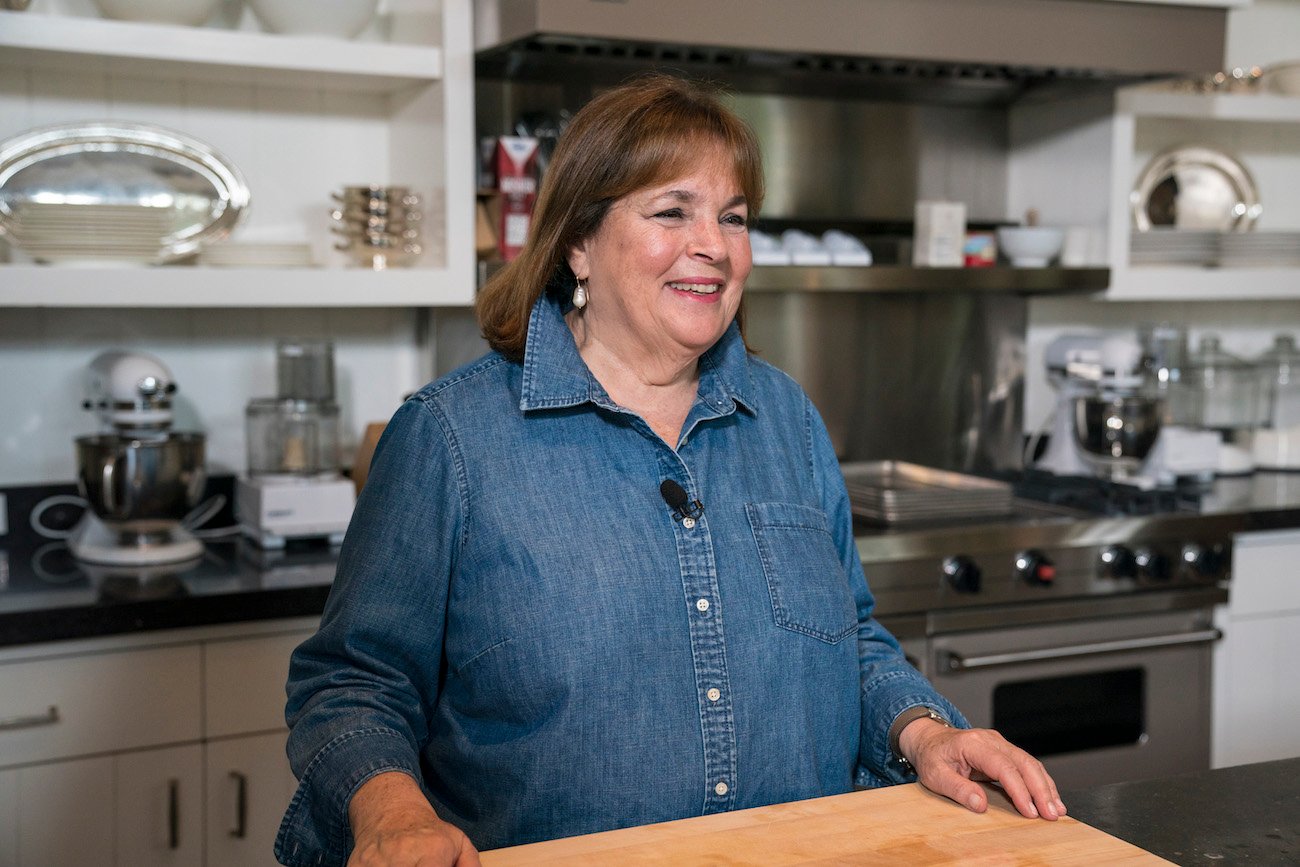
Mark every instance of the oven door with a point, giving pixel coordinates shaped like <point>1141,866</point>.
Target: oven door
<point>1098,701</point>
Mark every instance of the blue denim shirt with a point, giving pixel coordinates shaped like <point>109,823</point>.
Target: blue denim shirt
<point>519,623</point>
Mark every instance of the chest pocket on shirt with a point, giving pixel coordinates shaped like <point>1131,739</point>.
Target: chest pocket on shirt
<point>810,593</point>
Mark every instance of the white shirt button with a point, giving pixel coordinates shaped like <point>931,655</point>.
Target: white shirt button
<point>714,694</point>
<point>688,523</point>
<point>702,604</point>
<point>720,788</point>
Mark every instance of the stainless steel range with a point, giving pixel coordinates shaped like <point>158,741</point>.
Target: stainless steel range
<point>1082,635</point>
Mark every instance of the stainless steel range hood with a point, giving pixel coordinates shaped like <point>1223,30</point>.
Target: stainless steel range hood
<point>837,44</point>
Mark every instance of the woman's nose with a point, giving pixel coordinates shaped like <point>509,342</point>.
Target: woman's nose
<point>707,241</point>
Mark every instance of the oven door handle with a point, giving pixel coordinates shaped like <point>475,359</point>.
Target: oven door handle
<point>957,662</point>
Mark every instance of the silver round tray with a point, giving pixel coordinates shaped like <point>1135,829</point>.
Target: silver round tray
<point>123,192</point>
<point>1195,188</point>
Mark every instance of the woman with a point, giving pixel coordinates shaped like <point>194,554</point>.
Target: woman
<point>533,632</point>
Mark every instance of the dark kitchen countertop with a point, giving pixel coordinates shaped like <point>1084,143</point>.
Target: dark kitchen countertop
<point>1249,814</point>
<point>46,595</point>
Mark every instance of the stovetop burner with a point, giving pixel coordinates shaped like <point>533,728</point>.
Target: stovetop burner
<point>1103,497</point>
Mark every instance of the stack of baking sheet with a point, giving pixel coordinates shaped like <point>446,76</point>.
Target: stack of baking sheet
<point>894,492</point>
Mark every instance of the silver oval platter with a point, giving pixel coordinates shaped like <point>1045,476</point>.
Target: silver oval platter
<point>107,193</point>
<point>1195,188</point>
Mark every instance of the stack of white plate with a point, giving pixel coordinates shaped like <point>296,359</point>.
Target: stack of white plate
<point>1174,247</point>
<point>1260,250</point>
<point>251,254</point>
<point>129,234</point>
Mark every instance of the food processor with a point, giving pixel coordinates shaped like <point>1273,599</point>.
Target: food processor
<point>1107,417</point>
<point>294,488</point>
<point>139,477</point>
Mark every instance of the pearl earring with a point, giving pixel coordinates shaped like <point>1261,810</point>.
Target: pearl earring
<point>580,294</point>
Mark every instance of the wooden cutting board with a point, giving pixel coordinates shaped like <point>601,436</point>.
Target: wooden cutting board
<point>903,825</point>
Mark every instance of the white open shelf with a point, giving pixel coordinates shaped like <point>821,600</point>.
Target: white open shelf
<point>198,286</point>
<point>1249,107</point>
<point>94,44</point>
<point>1168,283</point>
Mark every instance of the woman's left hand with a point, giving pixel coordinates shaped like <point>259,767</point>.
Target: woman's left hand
<point>948,761</point>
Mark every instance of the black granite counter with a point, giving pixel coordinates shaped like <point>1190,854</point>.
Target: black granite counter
<point>1249,814</point>
<point>48,595</point>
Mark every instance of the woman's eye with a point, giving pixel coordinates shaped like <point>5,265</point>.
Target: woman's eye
<point>672,214</point>
<point>734,221</point>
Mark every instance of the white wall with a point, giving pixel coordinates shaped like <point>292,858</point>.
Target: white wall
<point>220,359</point>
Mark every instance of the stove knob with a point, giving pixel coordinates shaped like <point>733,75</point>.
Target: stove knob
<point>962,574</point>
<point>1203,562</point>
<point>1034,567</point>
<point>1118,562</point>
<point>1152,565</point>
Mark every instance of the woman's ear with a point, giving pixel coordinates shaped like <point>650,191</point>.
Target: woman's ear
<point>577,259</point>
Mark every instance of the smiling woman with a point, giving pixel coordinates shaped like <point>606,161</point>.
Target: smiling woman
<point>605,575</point>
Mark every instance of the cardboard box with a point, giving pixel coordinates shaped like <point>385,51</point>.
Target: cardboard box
<point>940,234</point>
<point>516,184</point>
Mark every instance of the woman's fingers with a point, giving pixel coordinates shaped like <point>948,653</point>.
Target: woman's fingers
<point>946,759</point>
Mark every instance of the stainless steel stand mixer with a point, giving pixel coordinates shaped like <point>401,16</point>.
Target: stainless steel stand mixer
<point>1106,420</point>
<point>139,477</point>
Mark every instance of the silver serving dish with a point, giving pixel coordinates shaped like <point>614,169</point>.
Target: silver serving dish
<point>115,191</point>
<point>1195,188</point>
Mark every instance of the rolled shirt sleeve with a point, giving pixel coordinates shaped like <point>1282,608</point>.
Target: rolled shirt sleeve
<point>359,689</point>
<point>889,683</point>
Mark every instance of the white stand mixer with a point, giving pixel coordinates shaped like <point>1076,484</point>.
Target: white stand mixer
<point>1112,367</point>
<point>1079,366</point>
<point>139,477</point>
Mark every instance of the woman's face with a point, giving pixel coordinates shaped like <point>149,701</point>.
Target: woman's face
<point>668,264</point>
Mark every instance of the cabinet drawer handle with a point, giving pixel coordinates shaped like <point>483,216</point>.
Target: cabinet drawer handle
<point>173,814</point>
<point>49,718</point>
<point>240,831</point>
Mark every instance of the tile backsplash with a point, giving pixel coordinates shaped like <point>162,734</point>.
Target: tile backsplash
<point>220,359</point>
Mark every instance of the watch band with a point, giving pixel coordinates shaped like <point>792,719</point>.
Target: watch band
<point>911,715</point>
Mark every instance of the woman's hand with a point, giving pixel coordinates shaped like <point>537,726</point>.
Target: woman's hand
<point>394,826</point>
<point>948,760</point>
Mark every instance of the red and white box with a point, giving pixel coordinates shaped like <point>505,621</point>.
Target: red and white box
<point>516,183</point>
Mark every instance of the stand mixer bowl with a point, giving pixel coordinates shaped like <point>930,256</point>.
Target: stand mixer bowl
<point>141,486</point>
<point>1116,432</point>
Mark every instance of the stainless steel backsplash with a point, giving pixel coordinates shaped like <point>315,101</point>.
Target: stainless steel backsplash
<point>936,379</point>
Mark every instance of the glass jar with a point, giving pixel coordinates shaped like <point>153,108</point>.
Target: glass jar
<point>1278,375</point>
<point>1227,387</point>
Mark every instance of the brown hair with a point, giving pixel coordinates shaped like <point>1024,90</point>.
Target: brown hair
<point>645,132</point>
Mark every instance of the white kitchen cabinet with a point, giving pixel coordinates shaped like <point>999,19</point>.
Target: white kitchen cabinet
<point>1076,161</point>
<point>137,750</point>
<point>158,807</point>
<point>1256,690</point>
<point>135,809</point>
<point>299,116</point>
<point>249,786</point>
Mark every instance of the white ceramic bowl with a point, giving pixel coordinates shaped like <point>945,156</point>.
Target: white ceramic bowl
<point>341,18</point>
<point>1030,246</point>
<point>192,12</point>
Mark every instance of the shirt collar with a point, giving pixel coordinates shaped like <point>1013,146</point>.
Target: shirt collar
<point>555,375</point>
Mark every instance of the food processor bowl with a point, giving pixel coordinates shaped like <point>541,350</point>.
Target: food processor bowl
<point>1116,432</point>
<point>141,486</point>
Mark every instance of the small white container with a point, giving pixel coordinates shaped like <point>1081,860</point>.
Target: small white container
<point>1030,246</point>
<point>940,234</point>
<point>339,18</point>
<point>191,12</point>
